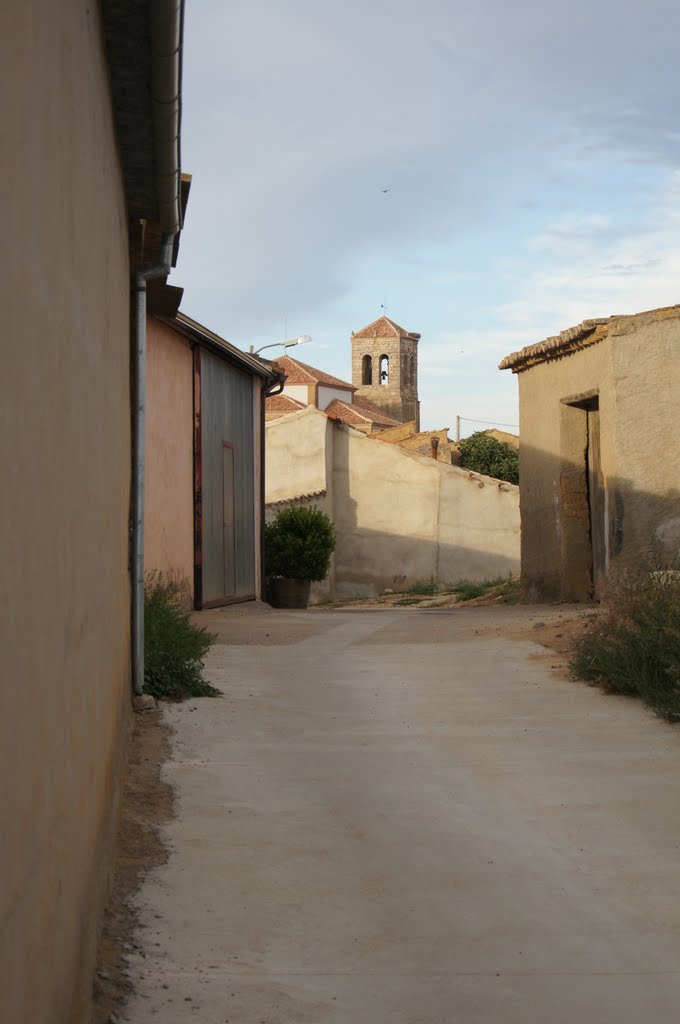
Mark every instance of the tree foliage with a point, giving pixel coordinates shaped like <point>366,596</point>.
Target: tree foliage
<point>483,453</point>
<point>299,543</point>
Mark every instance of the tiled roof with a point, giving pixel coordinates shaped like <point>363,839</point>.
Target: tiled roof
<point>307,496</point>
<point>589,332</point>
<point>377,414</point>
<point>383,327</point>
<point>282,404</point>
<point>359,412</point>
<point>301,373</point>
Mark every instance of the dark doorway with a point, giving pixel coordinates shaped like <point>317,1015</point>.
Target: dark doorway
<point>596,499</point>
<point>583,504</point>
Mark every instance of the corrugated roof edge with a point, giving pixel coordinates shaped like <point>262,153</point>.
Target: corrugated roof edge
<point>204,336</point>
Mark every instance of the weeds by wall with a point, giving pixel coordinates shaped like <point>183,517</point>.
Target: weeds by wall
<point>174,648</point>
<point>633,647</point>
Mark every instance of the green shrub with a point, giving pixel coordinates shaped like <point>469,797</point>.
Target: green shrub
<point>174,648</point>
<point>633,646</point>
<point>508,588</point>
<point>426,589</point>
<point>483,453</point>
<point>467,590</point>
<point>299,543</point>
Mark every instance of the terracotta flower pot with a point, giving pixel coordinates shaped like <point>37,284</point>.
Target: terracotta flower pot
<point>283,592</point>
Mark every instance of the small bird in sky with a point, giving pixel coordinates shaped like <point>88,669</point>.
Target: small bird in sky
<point>385,190</point>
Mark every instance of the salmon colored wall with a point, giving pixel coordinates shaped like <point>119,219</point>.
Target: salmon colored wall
<point>65,453</point>
<point>168,519</point>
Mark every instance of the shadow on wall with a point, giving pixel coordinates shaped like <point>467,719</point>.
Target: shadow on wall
<point>581,522</point>
<point>372,561</point>
<point>400,520</point>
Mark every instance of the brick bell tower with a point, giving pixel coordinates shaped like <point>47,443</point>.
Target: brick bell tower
<point>385,368</point>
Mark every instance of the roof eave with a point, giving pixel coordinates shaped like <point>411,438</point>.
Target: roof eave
<point>206,338</point>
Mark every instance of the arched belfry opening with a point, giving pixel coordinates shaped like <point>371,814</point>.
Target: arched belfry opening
<point>384,369</point>
<point>367,371</point>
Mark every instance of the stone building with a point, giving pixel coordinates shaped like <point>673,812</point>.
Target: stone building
<point>599,452</point>
<point>385,368</point>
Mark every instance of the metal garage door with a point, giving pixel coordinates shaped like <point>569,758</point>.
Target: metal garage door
<point>227,482</point>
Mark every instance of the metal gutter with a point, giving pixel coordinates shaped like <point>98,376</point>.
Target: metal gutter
<point>203,336</point>
<point>166,30</point>
<point>269,390</point>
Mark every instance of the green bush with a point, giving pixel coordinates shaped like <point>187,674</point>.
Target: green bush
<point>426,589</point>
<point>633,647</point>
<point>482,453</point>
<point>299,543</point>
<point>174,648</point>
<point>508,588</point>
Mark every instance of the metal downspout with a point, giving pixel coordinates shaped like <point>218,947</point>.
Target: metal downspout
<point>269,389</point>
<point>166,19</point>
<point>161,269</point>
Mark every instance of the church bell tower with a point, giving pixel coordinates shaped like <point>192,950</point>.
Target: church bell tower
<point>385,368</point>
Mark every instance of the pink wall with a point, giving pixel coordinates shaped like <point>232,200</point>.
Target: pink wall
<point>168,520</point>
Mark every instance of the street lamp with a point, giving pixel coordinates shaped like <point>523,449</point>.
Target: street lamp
<point>302,340</point>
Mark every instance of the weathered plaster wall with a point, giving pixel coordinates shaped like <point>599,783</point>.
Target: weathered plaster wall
<point>295,455</point>
<point>646,501</point>
<point>169,507</point>
<point>552,469</point>
<point>300,392</point>
<point>403,518</point>
<point>327,395</point>
<point>65,452</point>
<point>399,518</point>
<point>636,371</point>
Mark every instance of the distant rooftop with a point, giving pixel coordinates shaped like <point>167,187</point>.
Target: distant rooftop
<point>360,411</point>
<point>301,373</point>
<point>383,327</point>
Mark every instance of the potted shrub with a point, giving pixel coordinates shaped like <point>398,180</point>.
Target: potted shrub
<point>298,546</point>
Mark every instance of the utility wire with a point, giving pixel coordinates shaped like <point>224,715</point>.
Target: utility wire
<point>490,423</point>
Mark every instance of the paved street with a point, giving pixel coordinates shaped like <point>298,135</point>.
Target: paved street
<point>406,817</point>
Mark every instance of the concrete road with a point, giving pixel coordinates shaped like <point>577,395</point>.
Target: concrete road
<point>404,818</point>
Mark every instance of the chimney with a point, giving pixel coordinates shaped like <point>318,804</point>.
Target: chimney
<point>434,442</point>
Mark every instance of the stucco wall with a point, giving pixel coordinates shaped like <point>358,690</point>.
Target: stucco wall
<point>169,507</point>
<point>65,452</point>
<point>552,468</point>
<point>403,518</point>
<point>327,395</point>
<point>646,503</point>
<point>295,455</point>
<point>300,392</point>
<point>636,372</point>
<point>399,518</point>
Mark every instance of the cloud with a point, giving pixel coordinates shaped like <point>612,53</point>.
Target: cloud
<point>523,146</point>
<point>296,114</point>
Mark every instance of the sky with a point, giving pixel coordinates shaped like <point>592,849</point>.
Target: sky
<point>531,152</point>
